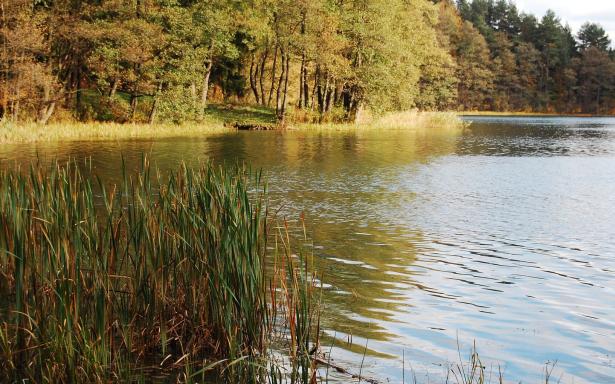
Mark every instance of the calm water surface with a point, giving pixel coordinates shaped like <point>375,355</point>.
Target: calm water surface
<point>503,235</point>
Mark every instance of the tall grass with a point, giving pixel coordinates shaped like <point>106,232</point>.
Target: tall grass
<point>32,132</point>
<point>100,282</point>
<point>220,119</point>
<point>406,120</point>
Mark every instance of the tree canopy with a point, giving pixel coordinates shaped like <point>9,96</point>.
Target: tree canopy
<point>153,60</point>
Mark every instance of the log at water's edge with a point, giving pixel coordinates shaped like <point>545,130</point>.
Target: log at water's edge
<point>252,126</point>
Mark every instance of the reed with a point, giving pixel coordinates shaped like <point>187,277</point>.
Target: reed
<point>406,120</point>
<point>220,119</point>
<point>32,132</point>
<point>166,273</point>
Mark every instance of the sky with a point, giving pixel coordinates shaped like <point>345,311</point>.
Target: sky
<point>575,12</point>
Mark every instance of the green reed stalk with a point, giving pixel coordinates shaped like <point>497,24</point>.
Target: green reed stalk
<point>101,281</point>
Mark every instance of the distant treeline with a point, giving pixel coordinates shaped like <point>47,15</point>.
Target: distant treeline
<point>148,60</point>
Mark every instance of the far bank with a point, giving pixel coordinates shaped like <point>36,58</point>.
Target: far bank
<point>220,119</point>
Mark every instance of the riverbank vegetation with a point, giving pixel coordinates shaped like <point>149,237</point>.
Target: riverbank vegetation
<point>318,61</point>
<point>157,277</point>
<point>32,132</point>
<point>178,278</point>
<point>219,119</point>
<point>408,120</point>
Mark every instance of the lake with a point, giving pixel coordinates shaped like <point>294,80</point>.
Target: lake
<point>427,242</point>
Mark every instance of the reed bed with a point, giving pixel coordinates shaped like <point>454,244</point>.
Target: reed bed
<point>220,120</point>
<point>406,120</point>
<point>179,274</point>
<point>32,132</point>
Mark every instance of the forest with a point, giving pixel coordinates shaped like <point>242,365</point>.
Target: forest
<point>309,60</point>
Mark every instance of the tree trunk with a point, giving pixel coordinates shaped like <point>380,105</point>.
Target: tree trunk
<point>316,81</point>
<point>320,93</point>
<point>336,94</point>
<point>253,73</point>
<point>323,106</point>
<point>303,96</point>
<point>301,102</point>
<point>152,112</point>
<point>327,95</point>
<point>306,88</point>
<point>262,75</point>
<point>113,88</point>
<point>205,88</point>
<point>47,115</point>
<point>275,59</point>
<point>133,107</point>
<point>283,114</point>
<point>280,83</point>
<point>48,106</point>
<point>354,104</point>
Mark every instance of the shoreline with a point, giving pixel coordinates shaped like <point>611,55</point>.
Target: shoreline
<point>218,123</point>
<point>528,114</point>
<point>21,133</point>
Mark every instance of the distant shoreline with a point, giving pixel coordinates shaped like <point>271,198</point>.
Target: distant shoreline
<point>529,114</point>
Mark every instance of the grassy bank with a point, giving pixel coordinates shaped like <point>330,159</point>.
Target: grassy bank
<point>29,133</point>
<point>407,120</point>
<point>158,276</point>
<point>219,119</point>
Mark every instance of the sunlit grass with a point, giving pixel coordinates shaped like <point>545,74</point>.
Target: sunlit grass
<point>407,120</point>
<point>219,119</point>
<point>31,132</point>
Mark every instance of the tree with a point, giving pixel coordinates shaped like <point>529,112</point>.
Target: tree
<point>471,53</point>
<point>528,75</point>
<point>389,41</point>
<point>596,81</point>
<point>208,36</point>
<point>506,82</point>
<point>147,60</point>
<point>28,85</point>
<point>593,35</point>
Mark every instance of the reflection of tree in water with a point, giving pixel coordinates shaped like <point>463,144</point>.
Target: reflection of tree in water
<point>367,273</point>
<point>343,181</point>
<point>536,136</point>
<point>347,185</point>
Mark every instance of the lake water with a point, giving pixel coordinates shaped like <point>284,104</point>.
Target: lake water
<point>501,235</point>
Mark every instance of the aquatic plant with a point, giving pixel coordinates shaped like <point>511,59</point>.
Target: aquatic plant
<point>32,132</point>
<point>159,275</point>
<point>407,120</point>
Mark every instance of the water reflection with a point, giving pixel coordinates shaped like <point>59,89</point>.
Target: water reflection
<point>501,233</point>
<point>539,136</point>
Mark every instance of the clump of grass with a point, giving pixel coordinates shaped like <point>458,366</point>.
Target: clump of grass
<point>407,120</point>
<point>32,132</point>
<point>418,120</point>
<point>99,282</point>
